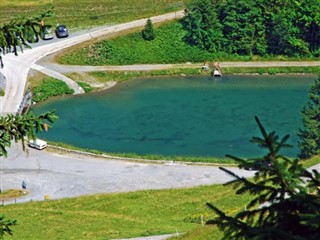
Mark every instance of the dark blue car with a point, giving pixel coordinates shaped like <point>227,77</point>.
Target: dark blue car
<point>61,31</point>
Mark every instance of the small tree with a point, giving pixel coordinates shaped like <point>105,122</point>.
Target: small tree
<point>148,32</point>
<point>286,198</point>
<point>310,134</point>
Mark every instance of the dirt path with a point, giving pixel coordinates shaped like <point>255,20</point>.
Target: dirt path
<point>147,67</point>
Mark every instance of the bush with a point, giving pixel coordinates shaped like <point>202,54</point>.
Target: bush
<point>50,87</point>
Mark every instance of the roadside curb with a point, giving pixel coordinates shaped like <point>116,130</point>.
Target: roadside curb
<point>138,160</point>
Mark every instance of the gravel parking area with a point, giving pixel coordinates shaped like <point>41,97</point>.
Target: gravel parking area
<point>71,175</point>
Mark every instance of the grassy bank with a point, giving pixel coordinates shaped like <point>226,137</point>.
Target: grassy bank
<point>167,47</point>
<point>113,216</point>
<point>118,76</point>
<point>65,148</point>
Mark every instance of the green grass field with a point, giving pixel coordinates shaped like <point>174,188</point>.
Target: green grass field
<point>123,215</point>
<point>85,13</point>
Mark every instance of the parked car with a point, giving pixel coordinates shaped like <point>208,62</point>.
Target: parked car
<point>46,33</point>
<point>32,37</point>
<point>62,31</point>
<point>38,144</point>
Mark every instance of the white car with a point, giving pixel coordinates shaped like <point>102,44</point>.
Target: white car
<point>46,33</point>
<point>37,143</point>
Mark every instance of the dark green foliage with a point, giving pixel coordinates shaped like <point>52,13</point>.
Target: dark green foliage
<point>310,134</point>
<point>243,27</point>
<point>50,87</point>
<point>258,27</point>
<point>286,203</point>
<point>202,25</point>
<point>5,226</point>
<point>147,32</point>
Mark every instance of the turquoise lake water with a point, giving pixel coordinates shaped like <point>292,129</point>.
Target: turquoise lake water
<point>194,116</point>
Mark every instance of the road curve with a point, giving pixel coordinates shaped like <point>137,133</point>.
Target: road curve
<point>16,68</point>
<point>64,175</point>
<point>71,175</point>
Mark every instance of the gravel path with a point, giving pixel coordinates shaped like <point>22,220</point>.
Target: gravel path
<point>47,62</point>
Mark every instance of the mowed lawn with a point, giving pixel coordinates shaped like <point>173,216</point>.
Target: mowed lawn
<point>123,215</point>
<point>85,13</point>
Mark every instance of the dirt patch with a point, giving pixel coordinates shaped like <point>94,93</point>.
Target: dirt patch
<point>10,194</point>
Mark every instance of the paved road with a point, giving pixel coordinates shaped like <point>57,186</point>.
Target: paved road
<point>62,175</point>
<point>16,68</point>
<point>70,175</point>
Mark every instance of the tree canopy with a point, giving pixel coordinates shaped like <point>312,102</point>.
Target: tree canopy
<point>310,133</point>
<point>259,27</point>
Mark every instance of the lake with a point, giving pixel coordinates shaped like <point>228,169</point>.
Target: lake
<point>189,116</point>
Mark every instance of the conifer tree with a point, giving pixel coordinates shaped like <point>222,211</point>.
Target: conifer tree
<point>310,134</point>
<point>148,32</point>
<point>202,25</point>
<point>286,197</point>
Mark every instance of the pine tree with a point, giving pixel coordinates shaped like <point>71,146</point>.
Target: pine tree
<point>310,134</point>
<point>202,25</point>
<point>286,197</point>
<point>148,32</point>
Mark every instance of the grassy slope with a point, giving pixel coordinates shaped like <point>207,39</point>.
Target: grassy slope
<point>139,213</point>
<point>168,47</point>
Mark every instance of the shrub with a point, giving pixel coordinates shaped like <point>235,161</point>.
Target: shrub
<point>50,87</point>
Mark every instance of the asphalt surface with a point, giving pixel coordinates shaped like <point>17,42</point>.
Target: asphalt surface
<point>72,174</point>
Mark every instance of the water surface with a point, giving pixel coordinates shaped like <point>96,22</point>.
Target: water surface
<point>195,116</point>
